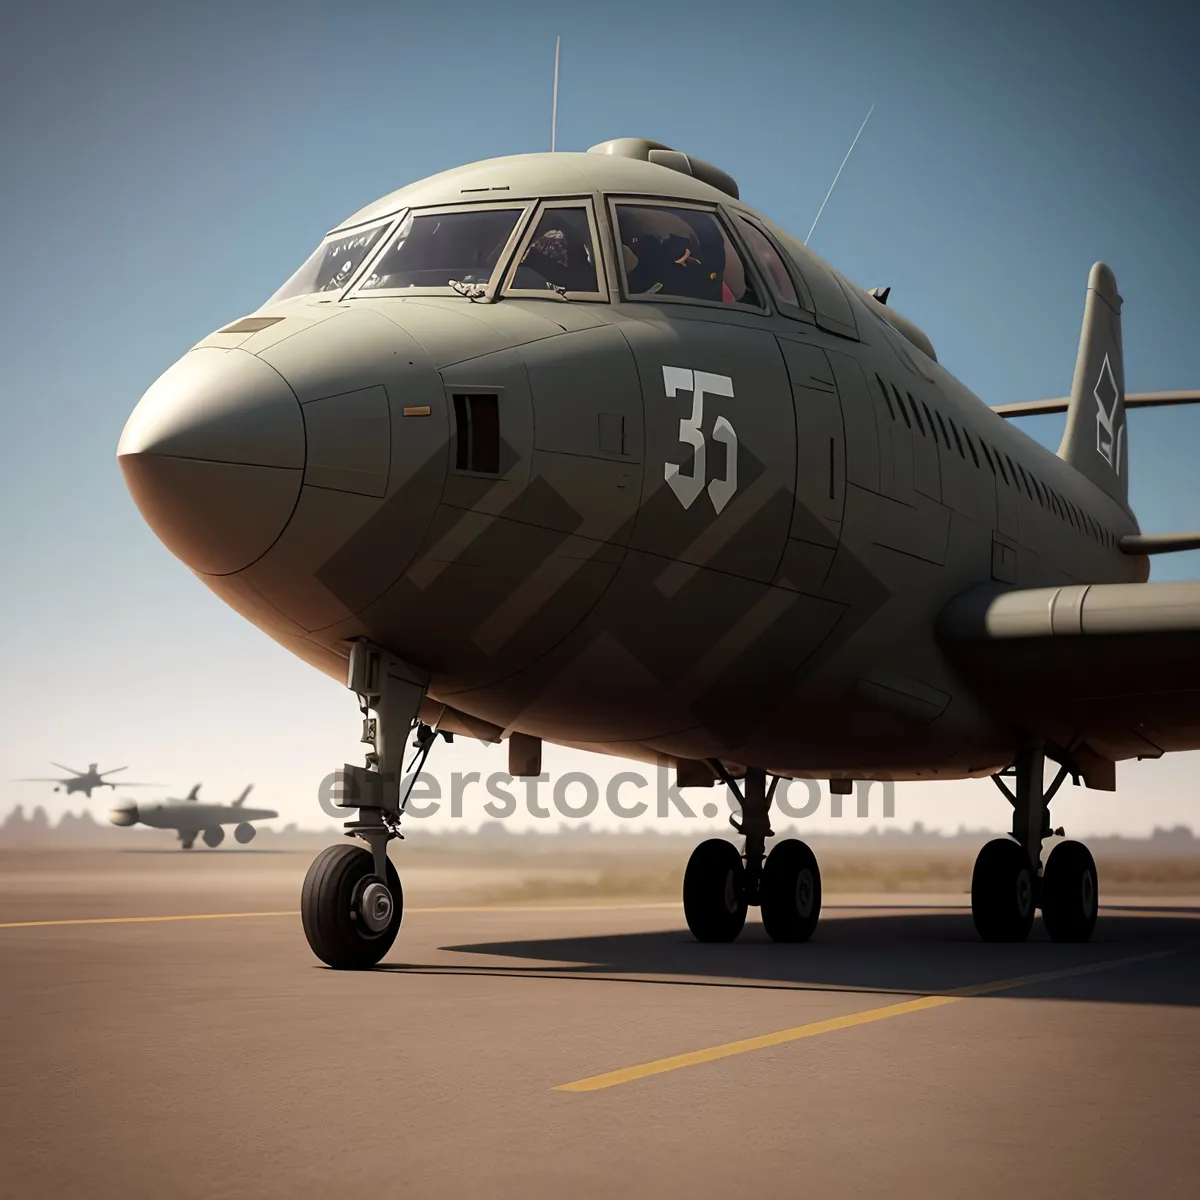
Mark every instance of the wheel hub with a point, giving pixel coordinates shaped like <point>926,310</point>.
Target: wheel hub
<point>804,892</point>
<point>375,906</point>
<point>1088,893</point>
<point>731,900</point>
<point>1024,893</point>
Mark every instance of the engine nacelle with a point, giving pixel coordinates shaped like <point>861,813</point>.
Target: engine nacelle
<point>214,836</point>
<point>244,833</point>
<point>125,813</point>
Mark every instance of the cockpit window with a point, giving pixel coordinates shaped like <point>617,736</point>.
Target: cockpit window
<point>333,264</point>
<point>439,250</point>
<point>683,253</point>
<point>768,258</point>
<point>560,254</point>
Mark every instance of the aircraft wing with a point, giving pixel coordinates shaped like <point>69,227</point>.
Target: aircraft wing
<point>1111,669</point>
<point>1033,408</point>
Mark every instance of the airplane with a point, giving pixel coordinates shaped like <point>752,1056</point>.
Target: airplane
<point>581,448</point>
<point>191,816</point>
<point>85,781</point>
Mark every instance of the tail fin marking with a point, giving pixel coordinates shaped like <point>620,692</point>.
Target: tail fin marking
<point>1094,441</point>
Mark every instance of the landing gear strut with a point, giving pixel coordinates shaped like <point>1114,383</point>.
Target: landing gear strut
<point>719,884</point>
<point>352,902</point>
<point>1008,882</point>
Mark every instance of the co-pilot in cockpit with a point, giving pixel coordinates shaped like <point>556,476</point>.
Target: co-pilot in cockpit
<point>560,254</point>
<point>681,252</point>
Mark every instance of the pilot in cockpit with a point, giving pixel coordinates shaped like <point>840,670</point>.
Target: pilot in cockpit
<point>680,252</point>
<point>560,254</point>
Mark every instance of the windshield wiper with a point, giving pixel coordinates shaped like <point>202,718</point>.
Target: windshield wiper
<point>472,291</point>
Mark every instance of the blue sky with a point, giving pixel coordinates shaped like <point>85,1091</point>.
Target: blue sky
<point>167,167</point>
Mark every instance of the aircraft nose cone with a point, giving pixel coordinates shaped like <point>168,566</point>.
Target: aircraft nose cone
<point>213,456</point>
<point>124,814</point>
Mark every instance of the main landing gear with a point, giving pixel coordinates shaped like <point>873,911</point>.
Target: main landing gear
<point>352,902</point>
<point>720,884</point>
<point>1008,883</point>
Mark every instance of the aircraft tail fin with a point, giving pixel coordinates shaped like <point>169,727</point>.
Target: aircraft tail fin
<point>194,794</point>
<point>1095,441</point>
<point>242,798</point>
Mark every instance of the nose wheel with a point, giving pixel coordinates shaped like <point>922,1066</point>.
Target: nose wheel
<point>351,916</point>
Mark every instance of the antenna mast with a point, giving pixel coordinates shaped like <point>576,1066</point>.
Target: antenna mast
<point>554,104</point>
<point>839,170</point>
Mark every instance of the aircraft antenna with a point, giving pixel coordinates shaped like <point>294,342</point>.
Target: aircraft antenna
<point>554,103</point>
<point>839,170</point>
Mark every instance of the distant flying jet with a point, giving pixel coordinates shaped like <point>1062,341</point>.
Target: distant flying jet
<point>85,781</point>
<point>189,817</point>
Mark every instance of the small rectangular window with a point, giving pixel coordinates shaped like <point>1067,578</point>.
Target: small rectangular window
<point>929,418</point>
<point>915,411</point>
<point>1024,479</point>
<point>900,405</point>
<point>971,447</point>
<point>957,439</point>
<point>886,398</point>
<point>477,429</point>
<point>942,426</point>
<point>987,455</point>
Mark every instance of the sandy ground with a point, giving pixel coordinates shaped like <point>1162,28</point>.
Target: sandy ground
<point>213,1056</point>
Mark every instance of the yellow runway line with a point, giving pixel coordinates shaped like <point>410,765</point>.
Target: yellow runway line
<point>146,920</point>
<point>659,1066</point>
<point>295,912</point>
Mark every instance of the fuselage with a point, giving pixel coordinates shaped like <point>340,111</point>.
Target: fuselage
<point>598,511</point>
<point>186,816</point>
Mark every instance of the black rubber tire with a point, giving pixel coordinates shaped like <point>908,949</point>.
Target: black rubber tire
<point>791,892</point>
<point>1002,892</point>
<point>1070,893</point>
<point>714,892</point>
<point>335,932</point>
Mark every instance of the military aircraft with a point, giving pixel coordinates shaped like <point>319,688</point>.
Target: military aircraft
<point>85,781</point>
<point>579,447</point>
<point>191,816</point>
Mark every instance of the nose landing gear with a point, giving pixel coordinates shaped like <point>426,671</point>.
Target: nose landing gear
<point>1008,882</point>
<point>352,902</point>
<point>350,915</point>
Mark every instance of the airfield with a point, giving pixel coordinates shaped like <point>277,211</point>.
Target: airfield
<point>168,1029</point>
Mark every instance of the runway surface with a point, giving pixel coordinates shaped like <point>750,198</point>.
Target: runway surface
<point>582,1051</point>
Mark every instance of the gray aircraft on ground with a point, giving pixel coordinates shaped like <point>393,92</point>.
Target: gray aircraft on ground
<point>579,447</point>
<point>192,816</point>
<point>85,781</point>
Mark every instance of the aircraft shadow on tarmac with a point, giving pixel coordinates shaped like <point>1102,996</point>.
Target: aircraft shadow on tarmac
<point>909,953</point>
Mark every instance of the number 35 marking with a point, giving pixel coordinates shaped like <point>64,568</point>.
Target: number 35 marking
<point>688,487</point>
